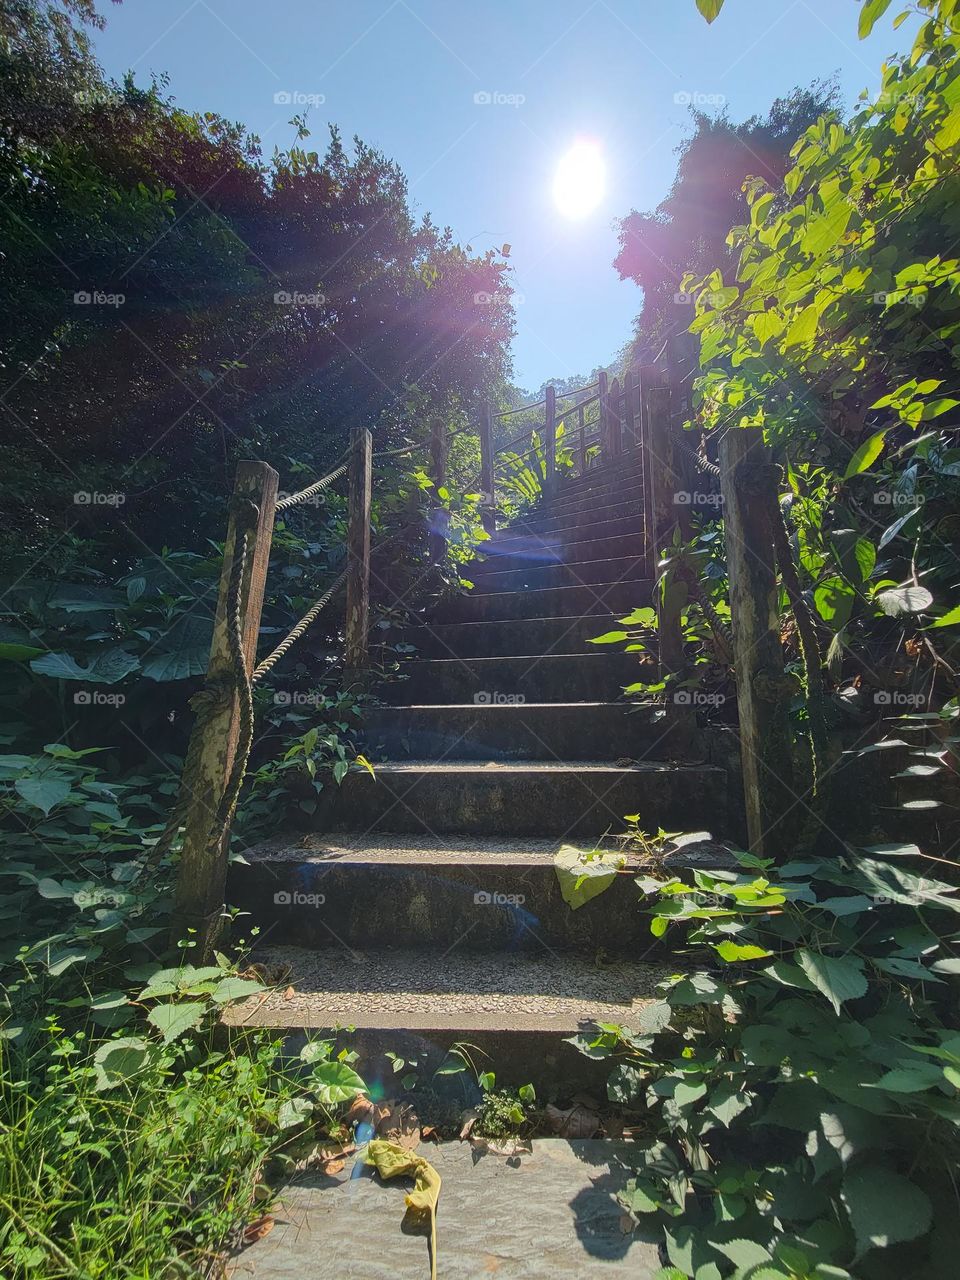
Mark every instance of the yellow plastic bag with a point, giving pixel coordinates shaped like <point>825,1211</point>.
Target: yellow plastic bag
<point>392,1161</point>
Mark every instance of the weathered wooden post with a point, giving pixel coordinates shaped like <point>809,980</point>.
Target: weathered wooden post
<point>614,419</point>
<point>489,512</point>
<point>550,443</point>
<point>603,392</point>
<point>358,549</point>
<point>202,868</point>
<point>665,498</point>
<point>749,485</point>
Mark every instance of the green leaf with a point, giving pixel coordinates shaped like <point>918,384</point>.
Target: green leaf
<point>336,1082</point>
<point>183,652</point>
<point>710,8</point>
<point>834,600</point>
<point>294,1111</point>
<point>733,951</point>
<point>904,600</point>
<point>909,1079</point>
<point>18,652</point>
<point>118,1061</point>
<point>950,619</point>
<point>884,1207</point>
<point>236,989</point>
<point>610,637</point>
<point>44,792</point>
<point>584,876</point>
<point>839,978</point>
<point>871,11</point>
<point>107,668</point>
<point>173,1019</point>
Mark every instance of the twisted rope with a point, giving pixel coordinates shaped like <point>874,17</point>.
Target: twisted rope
<point>303,494</point>
<point>263,668</point>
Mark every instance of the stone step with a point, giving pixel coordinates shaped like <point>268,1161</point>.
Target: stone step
<point>515,1006</point>
<point>619,489</point>
<point>546,520</point>
<point>361,892</point>
<point>532,636</point>
<point>560,574</point>
<point>561,677</point>
<point>540,553</point>
<point>513,540</point>
<point>628,465</point>
<point>524,798</point>
<point>533,731</point>
<point>549,602</point>
<point>551,1213</point>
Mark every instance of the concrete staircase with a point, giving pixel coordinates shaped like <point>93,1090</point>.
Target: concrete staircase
<point>428,911</point>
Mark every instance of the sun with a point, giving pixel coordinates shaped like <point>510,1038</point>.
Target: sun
<point>580,181</point>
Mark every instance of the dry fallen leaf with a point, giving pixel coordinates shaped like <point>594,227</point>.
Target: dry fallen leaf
<point>258,1229</point>
<point>467,1120</point>
<point>360,1109</point>
<point>577,1122</point>
<point>399,1123</point>
<point>429,1133</point>
<point>507,1147</point>
<point>289,993</point>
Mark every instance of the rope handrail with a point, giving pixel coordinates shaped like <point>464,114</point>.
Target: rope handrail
<point>511,413</point>
<point>270,661</point>
<point>292,499</point>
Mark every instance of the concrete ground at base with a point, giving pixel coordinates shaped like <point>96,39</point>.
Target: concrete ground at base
<point>552,1212</point>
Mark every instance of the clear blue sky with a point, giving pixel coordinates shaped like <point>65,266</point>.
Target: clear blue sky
<point>402,74</point>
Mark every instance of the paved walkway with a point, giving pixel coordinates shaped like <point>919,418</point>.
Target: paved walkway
<point>550,1213</point>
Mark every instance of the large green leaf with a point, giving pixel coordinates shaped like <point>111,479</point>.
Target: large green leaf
<point>118,1061</point>
<point>109,667</point>
<point>44,791</point>
<point>183,652</point>
<point>900,600</point>
<point>584,875</point>
<point>176,1017</point>
<point>839,978</point>
<point>336,1082</point>
<point>883,1206</point>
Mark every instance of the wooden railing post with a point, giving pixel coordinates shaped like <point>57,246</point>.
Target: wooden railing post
<point>749,485</point>
<point>358,549</point>
<point>550,443</point>
<point>202,869</point>
<point>664,500</point>
<point>603,392</point>
<point>489,512</point>
<point>615,417</point>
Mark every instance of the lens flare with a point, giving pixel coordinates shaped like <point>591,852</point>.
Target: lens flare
<point>580,180</point>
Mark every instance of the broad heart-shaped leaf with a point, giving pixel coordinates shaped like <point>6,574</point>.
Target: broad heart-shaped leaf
<point>107,668</point>
<point>883,1207</point>
<point>839,978</point>
<point>183,652</point>
<point>336,1082</point>
<point>710,8</point>
<point>44,791</point>
<point>583,876</point>
<point>236,989</point>
<point>904,600</point>
<point>119,1060</point>
<point>173,1019</point>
